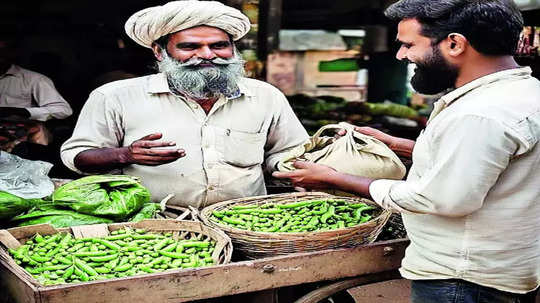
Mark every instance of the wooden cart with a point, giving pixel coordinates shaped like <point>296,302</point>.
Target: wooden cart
<point>365,264</point>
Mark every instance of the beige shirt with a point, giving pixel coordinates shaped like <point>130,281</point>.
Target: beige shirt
<point>34,92</point>
<point>225,149</point>
<point>471,202</point>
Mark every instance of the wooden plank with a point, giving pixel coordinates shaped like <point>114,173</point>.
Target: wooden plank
<point>16,286</point>
<point>88,231</point>
<point>235,278</point>
<point>9,240</point>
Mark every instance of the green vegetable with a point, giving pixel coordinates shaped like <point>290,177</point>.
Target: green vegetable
<point>11,205</point>
<point>114,196</point>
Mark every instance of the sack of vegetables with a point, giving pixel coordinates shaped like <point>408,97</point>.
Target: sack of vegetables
<point>354,153</point>
<point>296,222</point>
<point>113,196</point>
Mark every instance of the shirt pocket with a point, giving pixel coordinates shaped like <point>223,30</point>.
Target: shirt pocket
<point>243,149</point>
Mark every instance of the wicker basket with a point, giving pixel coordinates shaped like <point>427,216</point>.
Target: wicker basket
<point>264,244</point>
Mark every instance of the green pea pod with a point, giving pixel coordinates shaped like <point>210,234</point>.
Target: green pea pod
<point>294,205</point>
<point>81,274</point>
<point>63,260</point>
<point>199,244</point>
<point>52,239</point>
<point>147,269</point>
<point>270,211</point>
<point>322,210</point>
<point>122,268</point>
<point>161,244</point>
<point>117,237</point>
<point>358,205</point>
<point>173,255</point>
<point>39,259</point>
<point>218,214</point>
<point>107,243</point>
<point>90,253</point>
<point>365,218</point>
<point>145,237</point>
<point>87,269</point>
<point>170,247</point>
<point>233,221</point>
<point>68,273</point>
<point>102,270</point>
<point>328,214</point>
<point>38,238</point>
<point>66,239</point>
<point>104,258</point>
<point>131,248</point>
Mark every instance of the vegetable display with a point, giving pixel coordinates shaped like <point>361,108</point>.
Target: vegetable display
<point>60,258</point>
<point>301,216</point>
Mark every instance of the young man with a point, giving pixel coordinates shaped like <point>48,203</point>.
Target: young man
<point>470,203</point>
<point>198,129</point>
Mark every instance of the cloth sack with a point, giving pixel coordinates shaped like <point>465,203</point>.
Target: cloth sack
<point>354,153</point>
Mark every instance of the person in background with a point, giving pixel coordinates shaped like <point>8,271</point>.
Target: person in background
<point>27,100</point>
<point>471,201</point>
<point>25,93</point>
<point>198,129</point>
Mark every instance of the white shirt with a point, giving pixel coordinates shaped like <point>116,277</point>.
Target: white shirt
<point>34,92</point>
<point>471,202</point>
<point>225,149</point>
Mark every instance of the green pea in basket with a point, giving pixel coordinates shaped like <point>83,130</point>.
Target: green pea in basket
<point>260,244</point>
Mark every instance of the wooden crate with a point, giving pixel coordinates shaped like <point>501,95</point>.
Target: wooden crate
<point>22,287</point>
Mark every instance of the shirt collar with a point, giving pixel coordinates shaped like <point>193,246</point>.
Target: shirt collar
<point>157,84</point>
<point>520,72</point>
<point>13,70</point>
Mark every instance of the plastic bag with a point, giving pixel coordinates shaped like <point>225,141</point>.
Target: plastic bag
<point>24,178</point>
<point>11,205</point>
<point>58,218</point>
<point>354,153</point>
<point>147,212</point>
<point>114,196</point>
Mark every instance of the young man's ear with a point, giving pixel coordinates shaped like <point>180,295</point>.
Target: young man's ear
<point>455,44</point>
<point>157,51</point>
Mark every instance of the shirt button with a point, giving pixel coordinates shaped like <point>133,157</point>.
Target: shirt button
<point>210,187</point>
<point>194,106</point>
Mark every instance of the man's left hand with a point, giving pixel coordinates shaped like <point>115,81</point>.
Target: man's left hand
<point>309,175</point>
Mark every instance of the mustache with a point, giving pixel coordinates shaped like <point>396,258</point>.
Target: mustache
<point>194,62</point>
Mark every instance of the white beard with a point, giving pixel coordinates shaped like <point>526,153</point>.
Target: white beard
<point>203,82</point>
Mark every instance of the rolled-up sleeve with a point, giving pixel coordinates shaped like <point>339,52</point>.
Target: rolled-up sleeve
<point>99,125</point>
<point>285,132</point>
<point>464,162</point>
<point>50,102</point>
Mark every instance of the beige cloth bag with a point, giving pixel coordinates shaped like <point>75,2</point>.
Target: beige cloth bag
<point>354,153</point>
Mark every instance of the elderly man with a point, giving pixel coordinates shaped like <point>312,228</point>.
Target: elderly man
<point>206,127</point>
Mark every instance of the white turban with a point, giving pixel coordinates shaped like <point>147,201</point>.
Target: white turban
<point>148,25</point>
